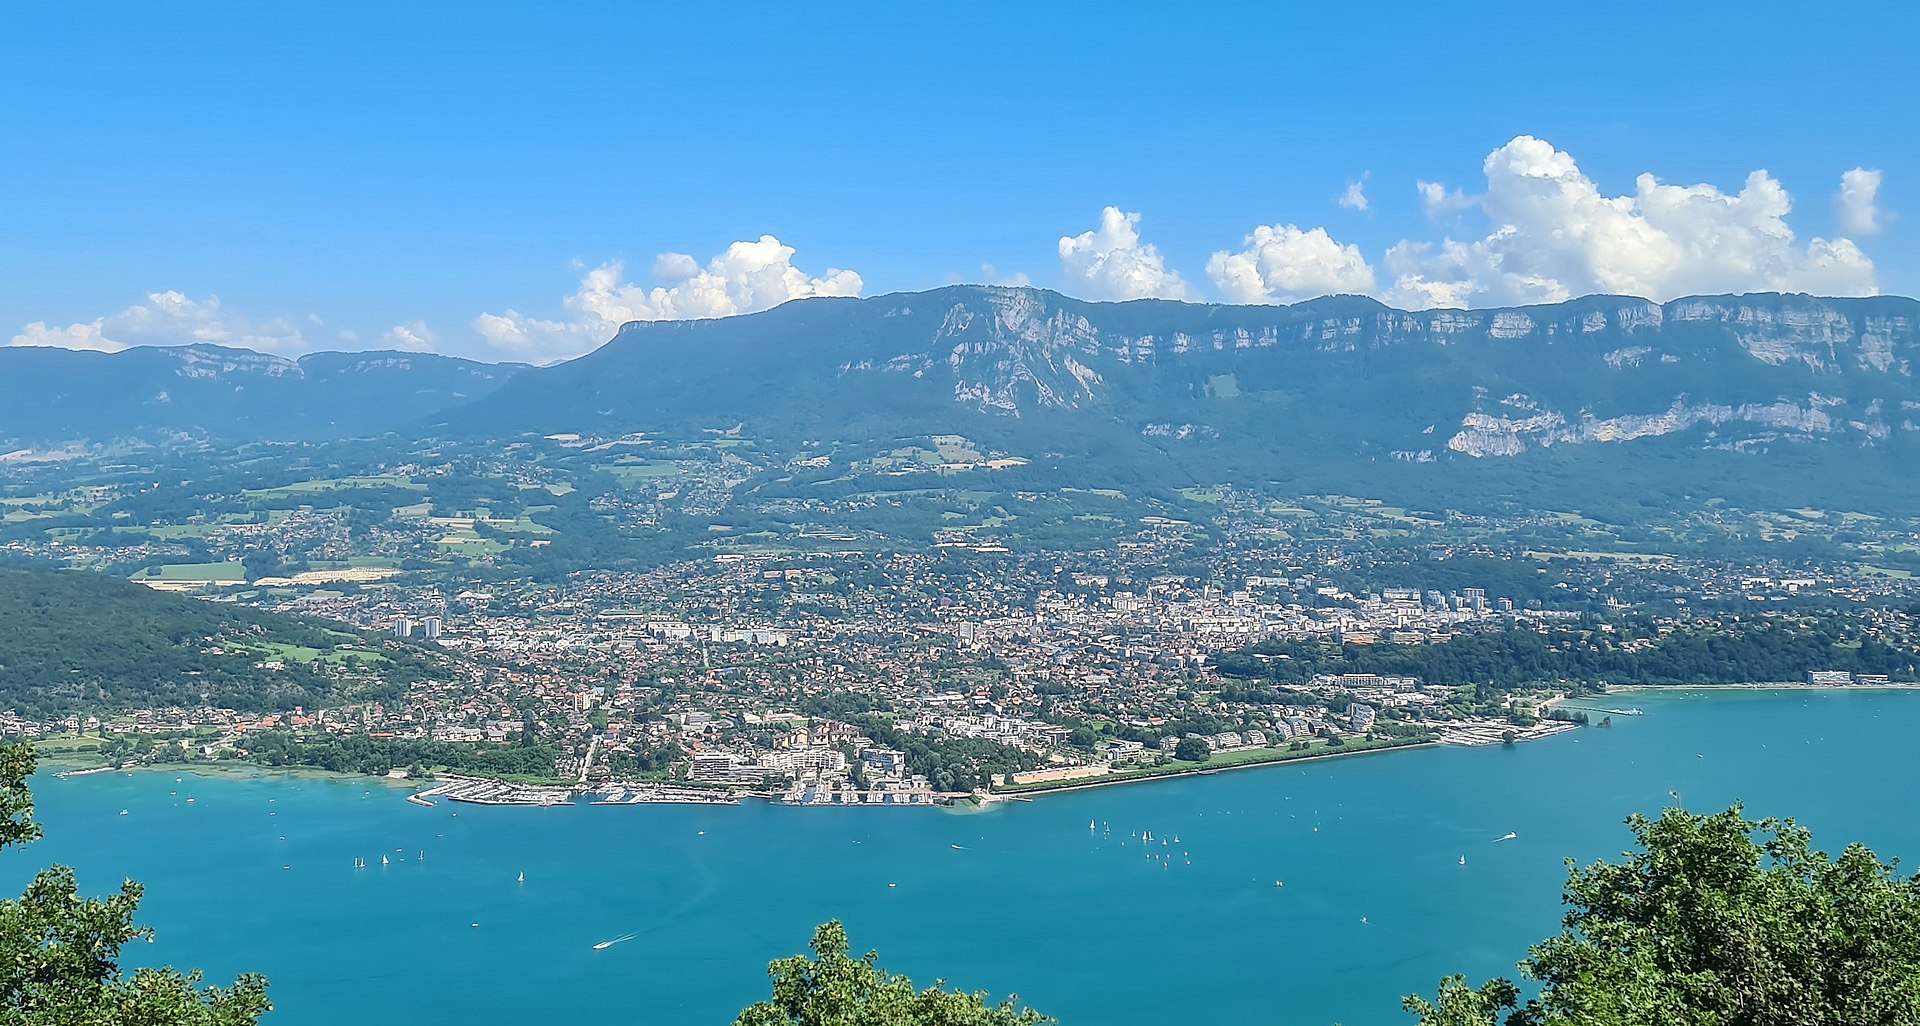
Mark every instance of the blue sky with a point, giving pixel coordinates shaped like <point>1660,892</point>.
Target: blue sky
<point>353,176</point>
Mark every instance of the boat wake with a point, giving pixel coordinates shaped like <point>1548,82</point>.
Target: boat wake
<point>1510,835</point>
<point>622,939</point>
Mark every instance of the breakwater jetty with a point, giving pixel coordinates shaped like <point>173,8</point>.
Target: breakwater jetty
<point>477,791</point>
<point>663,794</point>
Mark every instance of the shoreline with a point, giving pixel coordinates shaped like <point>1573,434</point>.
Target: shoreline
<point>232,770</point>
<point>63,765</point>
<point>1198,771</point>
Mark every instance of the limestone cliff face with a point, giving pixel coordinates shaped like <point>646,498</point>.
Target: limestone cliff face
<point>1736,370</point>
<point>1315,389</point>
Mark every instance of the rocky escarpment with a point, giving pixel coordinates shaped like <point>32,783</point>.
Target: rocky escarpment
<point>1337,381</point>
<point>1625,369</point>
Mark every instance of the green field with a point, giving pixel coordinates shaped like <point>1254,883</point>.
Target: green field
<point>68,745</point>
<point>205,573</point>
<point>174,532</point>
<point>1228,760</point>
<point>631,473</point>
<point>302,654</point>
<point>334,484</point>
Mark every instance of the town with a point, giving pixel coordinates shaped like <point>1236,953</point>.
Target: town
<point>831,655</point>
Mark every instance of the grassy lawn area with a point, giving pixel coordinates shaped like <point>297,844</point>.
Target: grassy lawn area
<point>334,484</point>
<point>1226,760</point>
<point>174,532</point>
<point>628,473</point>
<point>68,745</point>
<point>303,654</point>
<point>196,572</point>
<point>472,546</point>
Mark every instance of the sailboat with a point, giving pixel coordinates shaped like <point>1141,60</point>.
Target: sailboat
<point>384,861</point>
<point>1463,860</point>
<point>523,878</point>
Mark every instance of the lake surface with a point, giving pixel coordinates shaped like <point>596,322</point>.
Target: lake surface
<point>1091,926</point>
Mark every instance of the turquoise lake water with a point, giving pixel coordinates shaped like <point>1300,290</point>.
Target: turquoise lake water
<point>256,875</point>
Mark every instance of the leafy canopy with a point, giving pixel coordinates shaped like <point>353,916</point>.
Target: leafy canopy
<point>1721,921</point>
<point>59,952</point>
<point>834,989</point>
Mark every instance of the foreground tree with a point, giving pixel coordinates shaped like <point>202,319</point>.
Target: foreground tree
<point>1716,920</point>
<point>59,952</point>
<point>834,989</point>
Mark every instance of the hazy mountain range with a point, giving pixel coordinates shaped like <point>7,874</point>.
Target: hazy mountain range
<point>1225,389</point>
<point>213,393</point>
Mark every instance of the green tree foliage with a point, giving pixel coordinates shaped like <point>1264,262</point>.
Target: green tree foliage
<point>1192,748</point>
<point>78,643</point>
<point>1722,651</point>
<point>361,753</point>
<point>1716,920</point>
<point>834,989</point>
<point>948,763</point>
<point>59,952</point>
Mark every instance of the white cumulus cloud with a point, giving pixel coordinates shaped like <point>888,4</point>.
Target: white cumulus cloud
<point>990,275</point>
<point>1285,264</point>
<point>412,335</point>
<point>1438,201</point>
<point>1355,198</point>
<point>746,277</point>
<point>1111,262</point>
<point>1555,235</point>
<point>172,319</point>
<point>1858,203</point>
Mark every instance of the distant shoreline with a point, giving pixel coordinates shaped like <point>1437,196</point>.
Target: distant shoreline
<point>67,769</point>
<point>65,764</point>
<point>1198,771</point>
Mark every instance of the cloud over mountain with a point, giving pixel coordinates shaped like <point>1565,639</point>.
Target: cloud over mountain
<point>1554,235</point>
<point>746,277</point>
<point>1285,264</point>
<point>1110,262</point>
<point>1550,234</point>
<point>1537,229</point>
<point>172,319</point>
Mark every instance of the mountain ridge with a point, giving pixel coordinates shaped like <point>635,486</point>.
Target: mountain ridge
<point>1314,391</point>
<point>219,393</point>
<point>1011,351</point>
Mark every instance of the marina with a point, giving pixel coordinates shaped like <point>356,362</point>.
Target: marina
<point>479,791</point>
<point>662,794</point>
